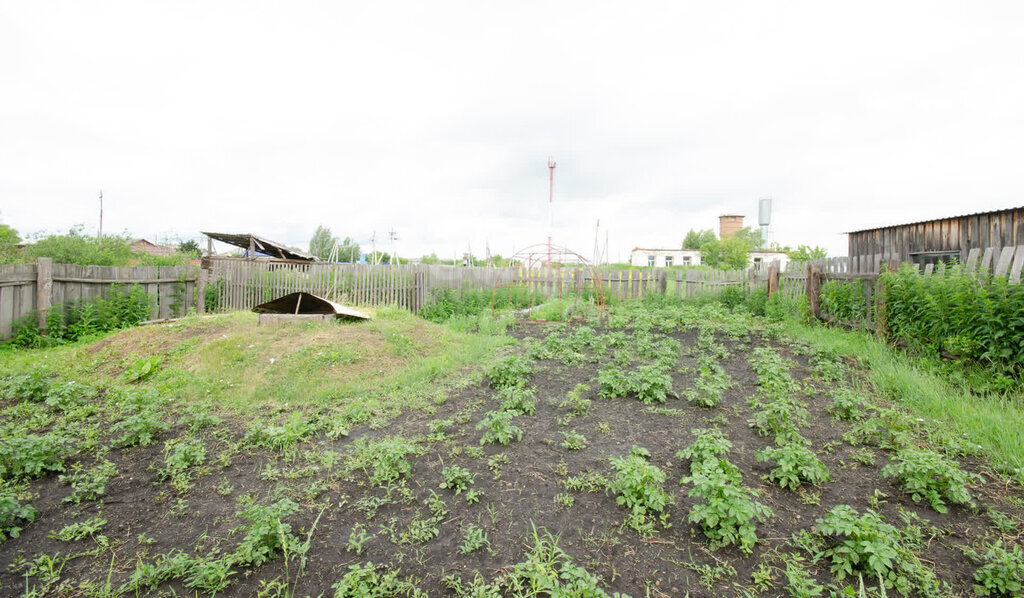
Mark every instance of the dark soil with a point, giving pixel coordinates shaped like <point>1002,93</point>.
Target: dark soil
<point>147,518</point>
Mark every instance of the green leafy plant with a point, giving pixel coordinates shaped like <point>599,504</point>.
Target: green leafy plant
<point>473,538</point>
<point>26,456</point>
<point>384,460</point>
<point>88,484</point>
<point>638,485</point>
<point>796,464</point>
<point>141,369</point>
<point>14,510</point>
<point>573,441</point>
<point>928,475</point>
<point>864,545</point>
<point>517,400</point>
<point>727,512</point>
<point>575,402</point>
<point>266,532</point>
<point>511,371</point>
<point>457,478</point>
<point>180,454</point>
<point>1001,572</point>
<point>498,428</point>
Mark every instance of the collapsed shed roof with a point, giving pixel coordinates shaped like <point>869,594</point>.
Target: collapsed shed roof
<point>264,246</point>
<point>303,303</point>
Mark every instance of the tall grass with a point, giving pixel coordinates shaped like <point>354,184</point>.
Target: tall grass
<point>992,419</point>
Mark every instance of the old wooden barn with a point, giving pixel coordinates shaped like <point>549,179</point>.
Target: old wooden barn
<point>942,240</point>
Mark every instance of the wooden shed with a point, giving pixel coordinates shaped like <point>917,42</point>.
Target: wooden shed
<point>941,240</point>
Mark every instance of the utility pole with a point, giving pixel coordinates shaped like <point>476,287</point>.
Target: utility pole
<point>393,236</point>
<point>551,196</point>
<point>100,237</point>
<point>373,247</point>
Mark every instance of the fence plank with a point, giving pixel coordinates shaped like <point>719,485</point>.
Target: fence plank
<point>1018,264</point>
<point>1004,261</point>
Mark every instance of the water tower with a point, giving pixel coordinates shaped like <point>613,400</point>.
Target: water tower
<point>764,216</point>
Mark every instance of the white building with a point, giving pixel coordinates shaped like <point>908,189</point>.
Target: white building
<point>759,258</point>
<point>663,258</point>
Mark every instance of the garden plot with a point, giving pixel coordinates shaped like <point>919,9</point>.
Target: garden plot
<point>674,451</point>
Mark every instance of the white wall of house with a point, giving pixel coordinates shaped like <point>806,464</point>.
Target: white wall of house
<point>757,258</point>
<point>663,258</point>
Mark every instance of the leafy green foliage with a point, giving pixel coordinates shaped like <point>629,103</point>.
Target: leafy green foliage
<point>866,545</point>
<point>727,511</point>
<point>140,427</point>
<point>179,455</point>
<point>282,437</point>
<point>370,581</point>
<point>976,317</point>
<point>639,486</point>
<point>457,478</point>
<point>88,484</point>
<point>709,444</point>
<point>14,510</point>
<point>142,368</point>
<point>498,428</point>
<point>695,239</point>
<point>1001,572</point>
<point>449,304</point>
<point>650,383</point>
<point>517,400</point>
<point>575,402</point>
<point>27,456</point>
<point>573,441</point>
<point>847,404</point>
<point>266,533</point>
<point>121,308</point>
<point>844,300</point>
<point>710,385</point>
<point>928,475</point>
<point>383,460</point>
<point>796,464</point>
<point>546,570</point>
<point>473,538</point>
<point>512,371</point>
<point>84,250</point>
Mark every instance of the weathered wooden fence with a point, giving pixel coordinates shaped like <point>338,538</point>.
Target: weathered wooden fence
<point>25,288</point>
<point>235,284</point>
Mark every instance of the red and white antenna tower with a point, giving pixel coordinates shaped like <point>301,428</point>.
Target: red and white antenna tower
<point>551,195</point>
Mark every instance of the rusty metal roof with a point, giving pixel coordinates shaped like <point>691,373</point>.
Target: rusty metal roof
<point>264,246</point>
<point>306,303</point>
<point>864,230</point>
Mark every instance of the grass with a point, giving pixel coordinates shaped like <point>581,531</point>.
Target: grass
<point>993,420</point>
<point>249,369</point>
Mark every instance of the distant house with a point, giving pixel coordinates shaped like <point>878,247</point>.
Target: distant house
<point>663,258</point>
<point>759,258</point>
<point>144,246</point>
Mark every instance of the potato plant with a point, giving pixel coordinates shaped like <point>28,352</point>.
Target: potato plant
<point>796,464</point>
<point>639,486</point>
<point>928,475</point>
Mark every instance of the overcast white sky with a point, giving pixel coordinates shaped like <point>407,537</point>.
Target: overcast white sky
<point>437,118</point>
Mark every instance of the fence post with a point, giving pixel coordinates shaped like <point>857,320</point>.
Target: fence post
<point>814,289</point>
<point>204,277</point>
<point>773,279</point>
<point>44,289</point>
<point>662,281</point>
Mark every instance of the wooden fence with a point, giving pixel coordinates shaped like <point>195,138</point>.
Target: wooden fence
<point>235,284</point>
<point>25,288</point>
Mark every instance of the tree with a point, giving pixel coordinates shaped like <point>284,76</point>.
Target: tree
<point>730,253</point>
<point>696,239</point>
<point>8,239</point>
<point>348,250</point>
<point>805,253</point>
<point>322,242</point>
<point>751,237</point>
<point>189,247</point>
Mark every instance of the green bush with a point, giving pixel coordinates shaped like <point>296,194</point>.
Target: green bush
<point>844,300</point>
<point>498,427</point>
<point>121,308</point>
<point>450,303</point>
<point>972,316</point>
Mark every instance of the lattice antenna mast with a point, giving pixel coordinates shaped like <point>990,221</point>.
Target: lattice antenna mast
<point>551,198</point>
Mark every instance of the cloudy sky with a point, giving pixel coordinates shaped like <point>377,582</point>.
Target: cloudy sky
<point>436,119</point>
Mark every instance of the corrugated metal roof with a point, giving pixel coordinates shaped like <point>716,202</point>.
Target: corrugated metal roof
<point>264,246</point>
<point>864,230</point>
